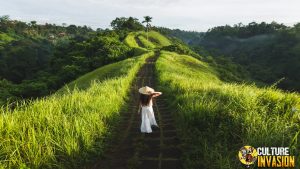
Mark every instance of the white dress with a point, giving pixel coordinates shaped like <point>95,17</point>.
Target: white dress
<point>148,118</point>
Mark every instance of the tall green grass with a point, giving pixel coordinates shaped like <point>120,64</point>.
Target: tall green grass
<point>216,118</point>
<point>146,43</point>
<point>131,42</point>
<point>156,38</point>
<point>65,129</point>
<point>113,70</point>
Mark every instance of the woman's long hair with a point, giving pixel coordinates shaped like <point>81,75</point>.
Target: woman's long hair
<point>145,99</point>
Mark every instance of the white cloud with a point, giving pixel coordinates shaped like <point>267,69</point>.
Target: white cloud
<point>189,15</point>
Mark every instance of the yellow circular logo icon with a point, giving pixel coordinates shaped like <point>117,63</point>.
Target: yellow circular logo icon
<point>247,155</point>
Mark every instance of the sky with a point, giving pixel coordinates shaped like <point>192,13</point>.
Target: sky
<point>192,15</point>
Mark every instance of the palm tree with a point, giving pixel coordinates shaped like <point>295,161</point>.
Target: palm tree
<point>147,20</point>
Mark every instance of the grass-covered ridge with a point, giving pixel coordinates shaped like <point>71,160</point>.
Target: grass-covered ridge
<point>139,40</point>
<point>157,38</point>
<point>38,59</point>
<point>217,118</point>
<point>131,41</point>
<point>64,130</point>
<point>114,70</point>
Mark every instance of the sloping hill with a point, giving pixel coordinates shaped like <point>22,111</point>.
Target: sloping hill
<point>139,40</point>
<point>203,120</point>
<point>268,51</point>
<point>111,71</point>
<point>74,124</point>
<point>132,149</point>
<point>216,118</point>
<point>65,129</point>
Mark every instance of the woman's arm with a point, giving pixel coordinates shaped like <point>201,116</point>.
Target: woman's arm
<point>155,94</point>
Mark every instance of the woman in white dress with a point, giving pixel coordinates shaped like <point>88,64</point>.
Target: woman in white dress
<point>148,119</point>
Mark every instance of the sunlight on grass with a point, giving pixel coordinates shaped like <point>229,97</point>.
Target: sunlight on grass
<point>156,38</point>
<point>216,118</point>
<point>65,129</point>
<point>131,42</point>
<point>113,70</point>
<point>145,42</point>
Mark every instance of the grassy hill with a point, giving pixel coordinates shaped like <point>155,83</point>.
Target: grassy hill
<point>268,51</point>
<point>73,125</point>
<point>114,70</point>
<point>38,59</point>
<point>67,128</point>
<point>216,118</point>
<point>139,40</point>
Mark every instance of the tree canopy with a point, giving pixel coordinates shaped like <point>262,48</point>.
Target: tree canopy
<point>123,23</point>
<point>36,59</point>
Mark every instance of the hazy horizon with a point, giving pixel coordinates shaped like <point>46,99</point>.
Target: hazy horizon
<point>177,14</point>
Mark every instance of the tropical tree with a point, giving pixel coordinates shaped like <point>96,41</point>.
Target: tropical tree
<point>33,23</point>
<point>147,20</point>
<point>4,23</point>
<point>4,18</point>
<point>130,24</point>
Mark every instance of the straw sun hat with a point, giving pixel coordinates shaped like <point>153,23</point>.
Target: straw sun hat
<point>146,90</point>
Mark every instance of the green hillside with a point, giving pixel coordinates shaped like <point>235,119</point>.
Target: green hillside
<point>217,118</point>
<point>114,70</point>
<point>66,129</point>
<point>38,59</point>
<point>268,51</point>
<point>155,39</point>
<point>138,41</point>
<point>214,118</point>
